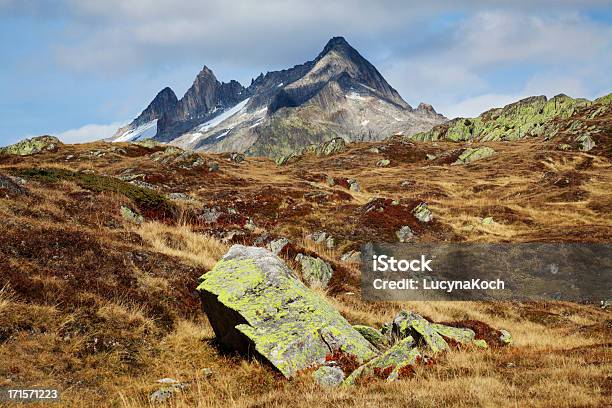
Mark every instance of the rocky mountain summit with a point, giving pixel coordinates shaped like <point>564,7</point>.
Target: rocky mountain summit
<point>338,94</point>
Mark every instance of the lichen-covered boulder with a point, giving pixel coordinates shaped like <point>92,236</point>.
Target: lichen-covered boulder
<point>315,271</point>
<point>336,145</point>
<point>471,154</point>
<point>255,304</point>
<point>31,146</point>
<point>148,143</point>
<point>422,213</point>
<point>409,324</point>
<point>328,376</point>
<point>390,364</point>
<point>372,335</point>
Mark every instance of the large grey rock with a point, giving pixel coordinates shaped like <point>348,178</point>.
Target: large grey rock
<point>256,304</point>
<point>31,146</point>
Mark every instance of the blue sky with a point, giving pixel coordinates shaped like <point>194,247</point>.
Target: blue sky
<point>81,68</point>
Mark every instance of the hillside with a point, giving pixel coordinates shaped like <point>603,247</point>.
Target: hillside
<point>103,245</point>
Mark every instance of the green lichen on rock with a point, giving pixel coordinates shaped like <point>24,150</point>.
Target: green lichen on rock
<point>315,271</point>
<point>472,154</point>
<point>505,337</point>
<point>404,353</point>
<point>480,343</point>
<point>411,324</point>
<point>254,302</point>
<point>457,334</point>
<point>328,376</point>
<point>422,212</point>
<point>130,215</point>
<point>374,336</point>
<point>527,117</point>
<point>32,146</point>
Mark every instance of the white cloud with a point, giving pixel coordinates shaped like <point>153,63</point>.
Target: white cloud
<point>88,133</point>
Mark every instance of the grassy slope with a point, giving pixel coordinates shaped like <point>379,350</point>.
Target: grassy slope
<point>101,308</point>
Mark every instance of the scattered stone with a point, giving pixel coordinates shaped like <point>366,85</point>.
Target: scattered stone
<point>336,145</point>
<point>406,184</point>
<point>354,185</point>
<point>278,245</point>
<point>505,337</point>
<point>383,163</point>
<point>328,376</point>
<point>230,236</point>
<point>255,303</point>
<point>70,157</point>
<point>586,143</point>
<point>144,184</point>
<point>317,237</point>
<point>375,337</point>
<point>330,181</point>
<point>351,256</point>
<point>315,271</point>
<point>148,143</point>
<point>213,167</point>
<point>31,146</point>
<point>564,147</point>
<point>235,157</point>
<point>422,213</point>
<point>405,234</point>
<point>170,386</point>
<point>472,154</point>
<point>178,196</point>
<point>403,354</point>
<point>210,215</point>
<point>131,216</point>
<point>431,156</point>
<point>330,242</point>
<point>374,150</point>
<point>207,372</point>
<point>250,225</point>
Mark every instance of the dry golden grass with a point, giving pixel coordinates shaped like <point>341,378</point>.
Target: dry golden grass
<point>181,242</point>
<point>104,340</point>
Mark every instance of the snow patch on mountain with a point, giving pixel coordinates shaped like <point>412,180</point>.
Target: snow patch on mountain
<point>144,131</point>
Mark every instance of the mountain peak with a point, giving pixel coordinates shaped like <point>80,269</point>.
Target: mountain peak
<point>338,44</point>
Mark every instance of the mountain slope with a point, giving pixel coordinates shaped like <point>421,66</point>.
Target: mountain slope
<point>145,125</point>
<point>338,94</point>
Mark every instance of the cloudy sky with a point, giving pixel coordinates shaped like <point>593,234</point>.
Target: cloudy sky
<point>81,68</point>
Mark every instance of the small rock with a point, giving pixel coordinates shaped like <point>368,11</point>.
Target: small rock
<point>250,225</point>
<point>405,234</point>
<point>354,185</point>
<point>277,245</point>
<point>374,150</point>
<point>431,156</point>
<point>330,242</point>
<point>178,196</point>
<point>480,344</point>
<point>422,213</point>
<point>328,376</point>
<point>131,216</point>
<point>383,163</point>
<point>315,271</point>
<point>330,181</point>
<point>586,143</point>
<point>351,256</point>
<point>207,372</point>
<point>505,337</point>
<point>213,167</point>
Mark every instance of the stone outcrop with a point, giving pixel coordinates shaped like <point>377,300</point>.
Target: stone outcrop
<point>256,304</point>
<point>472,154</point>
<point>31,146</point>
